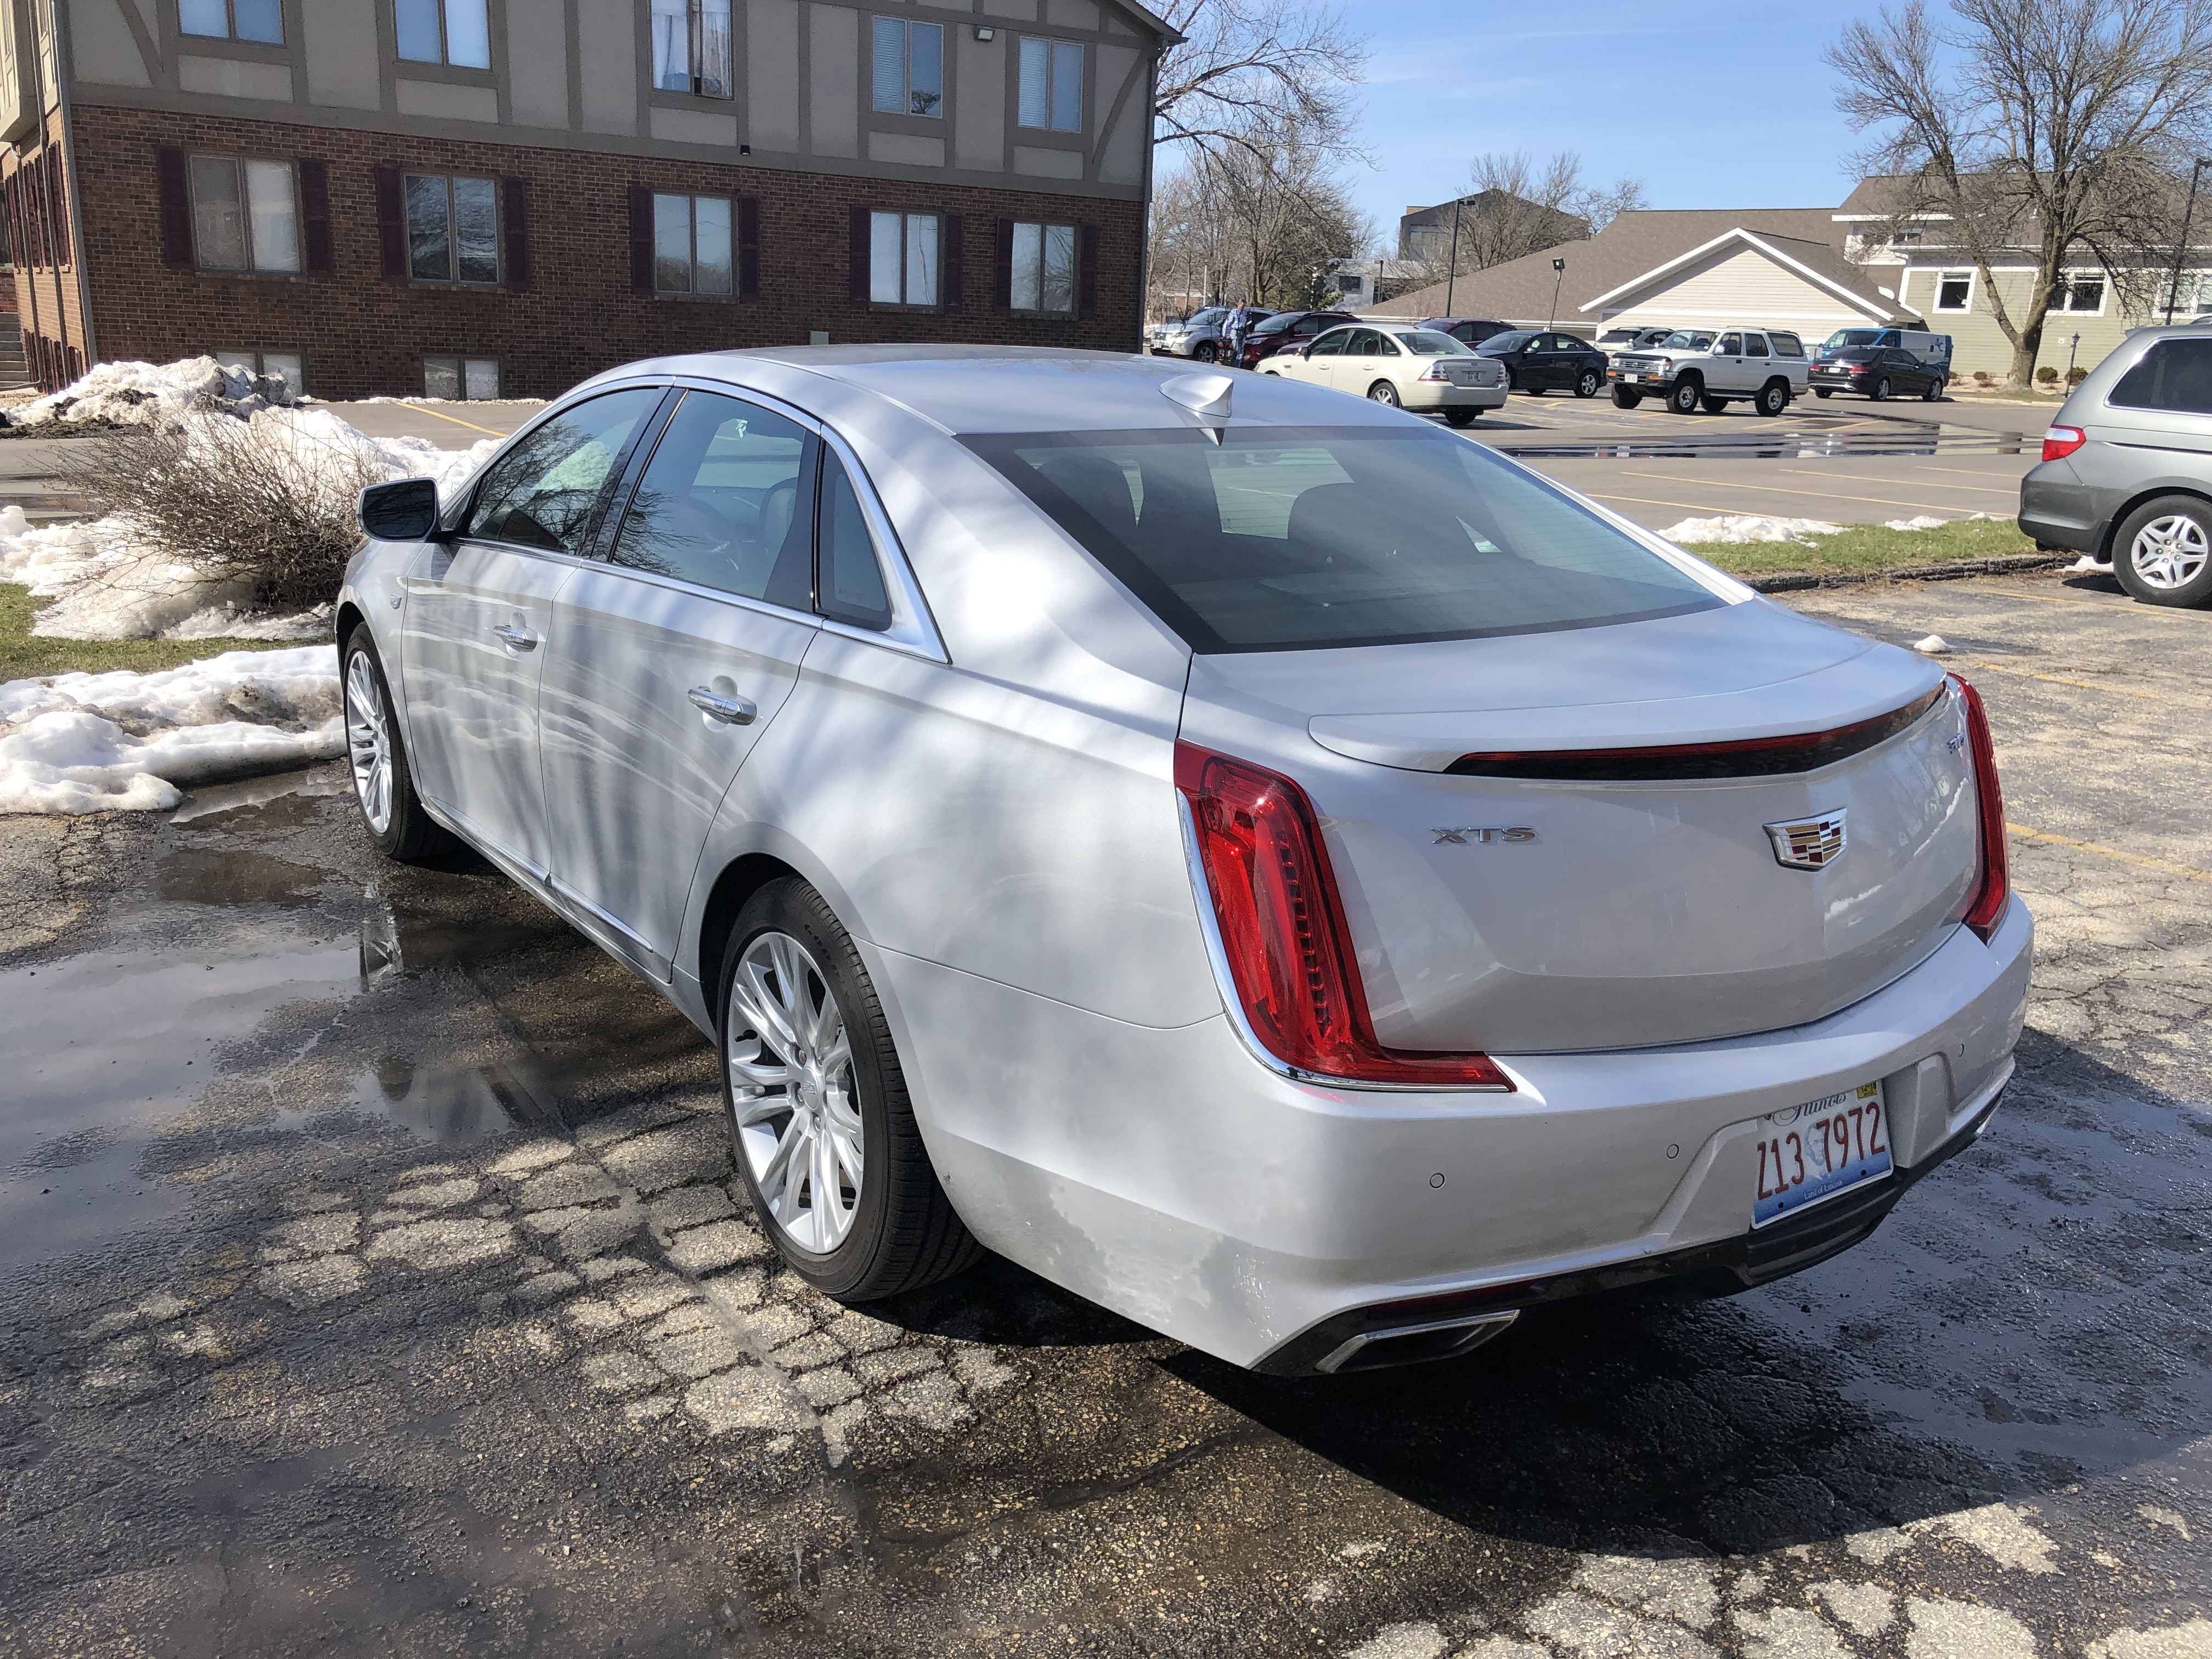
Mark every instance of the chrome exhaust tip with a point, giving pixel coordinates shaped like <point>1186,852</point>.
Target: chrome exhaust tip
<point>1410,1344</point>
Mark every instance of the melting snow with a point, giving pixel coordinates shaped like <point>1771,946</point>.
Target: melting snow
<point>1749,527</point>
<point>142,394</point>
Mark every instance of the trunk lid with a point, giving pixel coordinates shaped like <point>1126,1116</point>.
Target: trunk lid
<point>1519,913</point>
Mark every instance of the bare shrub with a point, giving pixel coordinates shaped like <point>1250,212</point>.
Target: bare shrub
<point>262,501</point>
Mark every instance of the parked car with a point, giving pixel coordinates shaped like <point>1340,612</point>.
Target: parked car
<point>1287,330</point>
<point>1615,341</point>
<point>1468,330</point>
<point>1877,372</point>
<point>1538,361</point>
<point>1932,349</point>
<point>1201,339</point>
<point>1304,881</point>
<point>2126,474</point>
<point>1706,368</point>
<point>1415,368</point>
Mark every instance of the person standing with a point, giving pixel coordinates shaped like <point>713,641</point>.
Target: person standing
<point>1234,329</point>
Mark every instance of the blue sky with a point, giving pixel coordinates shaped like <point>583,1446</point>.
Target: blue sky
<point>1714,103</point>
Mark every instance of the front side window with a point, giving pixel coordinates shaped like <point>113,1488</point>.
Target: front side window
<point>726,502</point>
<point>909,67</point>
<point>691,245</point>
<point>902,258</point>
<point>1330,344</point>
<point>234,20</point>
<point>546,491</point>
<point>460,378</point>
<point>691,47</point>
<point>456,32</point>
<point>246,214</point>
<point>1954,290</point>
<point>1044,268</point>
<point>453,230</point>
<point>1280,539</point>
<point>1052,85</point>
<point>2174,374</point>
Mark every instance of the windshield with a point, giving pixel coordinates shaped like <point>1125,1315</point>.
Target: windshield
<point>1688,339</point>
<point>1427,343</point>
<point>1275,538</point>
<point>1512,340</point>
<point>1210,314</point>
<point>1850,337</point>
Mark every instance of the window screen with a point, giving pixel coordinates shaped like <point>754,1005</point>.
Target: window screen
<point>2175,374</point>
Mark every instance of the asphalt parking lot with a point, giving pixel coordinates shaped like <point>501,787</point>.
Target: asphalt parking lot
<point>372,1279</point>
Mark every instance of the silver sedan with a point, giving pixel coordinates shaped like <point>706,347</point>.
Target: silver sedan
<point>1270,865</point>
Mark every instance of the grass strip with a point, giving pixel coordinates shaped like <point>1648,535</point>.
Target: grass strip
<point>24,655</point>
<point>1867,547</point>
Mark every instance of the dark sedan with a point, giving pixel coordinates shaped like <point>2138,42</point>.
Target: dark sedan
<point>1879,373</point>
<point>1538,361</point>
<point>1468,330</point>
<point>1287,330</point>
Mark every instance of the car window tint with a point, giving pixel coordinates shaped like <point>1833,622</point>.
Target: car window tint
<point>2175,374</point>
<point>849,580</point>
<point>1731,345</point>
<point>723,502</point>
<point>1788,345</point>
<point>1282,538</point>
<point>1754,345</point>
<point>1385,345</point>
<point>1331,344</point>
<point>547,490</point>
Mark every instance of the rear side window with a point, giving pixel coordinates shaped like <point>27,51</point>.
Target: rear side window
<point>726,502</point>
<point>849,582</point>
<point>1284,538</point>
<point>1754,345</point>
<point>1788,345</point>
<point>2174,374</point>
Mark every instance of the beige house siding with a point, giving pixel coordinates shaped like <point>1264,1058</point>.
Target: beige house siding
<point>1737,284</point>
<point>1976,341</point>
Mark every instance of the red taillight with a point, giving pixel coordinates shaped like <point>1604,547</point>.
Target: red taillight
<point>2061,441</point>
<point>1435,372</point>
<point>1282,929</point>
<point>1993,879</point>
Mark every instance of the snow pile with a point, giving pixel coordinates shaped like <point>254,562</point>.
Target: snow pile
<point>127,742</point>
<point>143,394</point>
<point>1749,527</point>
<point>2087,565</point>
<point>1933,645</point>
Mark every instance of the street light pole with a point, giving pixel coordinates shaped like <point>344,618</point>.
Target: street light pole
<point>1559,267</point>
<point>1451,277</point>
<point>2181,247</point>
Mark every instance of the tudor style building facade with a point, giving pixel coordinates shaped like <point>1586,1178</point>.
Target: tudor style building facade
<point>498,197</point>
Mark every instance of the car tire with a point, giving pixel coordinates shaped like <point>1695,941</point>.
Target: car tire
<point>846,1103</point>
<point>1687,395</point>
<point>1205,352</point>
<point>1624,399</point>
<point>1931,392</point>
<point>1462,418</point>
<point>383,783</point>
<point>1880,392</point>
<point>1773,398</point>
<point>1587,383</point>
<point>1824,391</point>
<point>2162,551</point>
<point>1713,405</point>
<point>1383,392</point>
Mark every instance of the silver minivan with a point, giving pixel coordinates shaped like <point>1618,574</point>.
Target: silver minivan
<point>2126,474</point>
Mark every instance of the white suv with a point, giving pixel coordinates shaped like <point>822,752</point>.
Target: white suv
<point>1709,369</point>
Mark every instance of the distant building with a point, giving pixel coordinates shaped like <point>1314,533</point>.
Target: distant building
<point>1373,282</point>
<point>1424,233</point>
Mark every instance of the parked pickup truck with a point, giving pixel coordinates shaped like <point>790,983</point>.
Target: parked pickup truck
<point>1709,369</point>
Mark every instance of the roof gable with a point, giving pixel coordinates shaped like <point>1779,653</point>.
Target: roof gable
<point>1812,262</point>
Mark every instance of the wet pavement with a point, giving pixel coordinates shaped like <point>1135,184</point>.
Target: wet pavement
<point>374,1278</point>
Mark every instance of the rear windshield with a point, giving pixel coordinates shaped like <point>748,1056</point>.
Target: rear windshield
<point>1498,344</point>
<point>1427,343</point>
<point>1280,539</point>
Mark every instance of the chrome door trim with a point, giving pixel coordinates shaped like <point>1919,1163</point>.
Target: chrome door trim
<point>615,937</point>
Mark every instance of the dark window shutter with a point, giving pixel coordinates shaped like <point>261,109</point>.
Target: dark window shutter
<point>952,262</point>
<point>315,217</point>
<point>64,249</point>
<point>514,231</point>
<point>390,223</point>
<point>748,247</point>
<point>41,218</point>
<point>856,280</point>
<point>1086,273</point>
<point>641,239</point>
<point>1002,268</point>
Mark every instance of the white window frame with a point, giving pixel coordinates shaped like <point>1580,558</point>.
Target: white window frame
<point>904,280</point>
<point>698,14</point>
<point>691,289</point>
<point>466,366</point>
<point>1052,48</point>
<point>238,165</point>
<point>452,231</point>
<point>1936,306</point>
<point>229,30</point>
<point>1040,231</point>
<point>906,26</point>
<point>445,33</point>
<point>2071,275</point>
<point>2196,281</point>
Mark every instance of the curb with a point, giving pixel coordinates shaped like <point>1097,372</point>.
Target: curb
<point>2006,564</point>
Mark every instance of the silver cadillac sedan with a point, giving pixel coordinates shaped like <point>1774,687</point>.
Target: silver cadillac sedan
<point>1251,856</point>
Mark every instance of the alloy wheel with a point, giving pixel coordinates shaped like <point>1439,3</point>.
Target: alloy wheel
<point>2169,552</point>
<point>798,1112</point>
<point>368,742</point>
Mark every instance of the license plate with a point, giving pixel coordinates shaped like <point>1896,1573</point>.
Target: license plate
<point>1631,377</point>
<point>1814,1152</point>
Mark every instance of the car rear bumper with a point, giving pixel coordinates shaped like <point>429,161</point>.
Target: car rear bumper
<point>1168,1174</point>
<point>2057,509</point>
<point>1419,396</point>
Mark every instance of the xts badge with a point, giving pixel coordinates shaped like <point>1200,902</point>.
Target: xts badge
<point>1461,835</point>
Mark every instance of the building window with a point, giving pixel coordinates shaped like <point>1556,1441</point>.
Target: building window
<point>453,230</point>
<point>234,20</point>
<point>1954,290</point>
<point>1044,268</point>
<point>691,47</point>
<point>473,378</point>
<point>246,214</point>
<point>902,258</point>
<point>909,67</point>
<point>456,32</point>
<point>287,366</point>
<point>1052,85</point>
<point>691,245</point>
<point>2081,291</point>
<point>2195,295</point>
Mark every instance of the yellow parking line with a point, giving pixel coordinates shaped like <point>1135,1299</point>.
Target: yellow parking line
<point>456,420</point>
<point>2181,870</point>
<point>1815,494</point>
<point>1861,477</point>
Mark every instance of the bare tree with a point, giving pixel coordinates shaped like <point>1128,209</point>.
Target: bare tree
<point>2052,129</point>
<point>1518,205</point>
<point>1252,67</point>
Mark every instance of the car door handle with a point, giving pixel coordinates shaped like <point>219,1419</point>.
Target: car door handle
<point>516,638</point>
<point>730,711</point>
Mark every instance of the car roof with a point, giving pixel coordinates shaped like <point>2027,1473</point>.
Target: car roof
<point>995,388</point>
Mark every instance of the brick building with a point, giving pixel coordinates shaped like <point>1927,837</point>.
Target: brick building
<point>497,197</point>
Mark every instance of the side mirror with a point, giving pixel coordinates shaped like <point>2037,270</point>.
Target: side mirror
<point>406,510</point>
